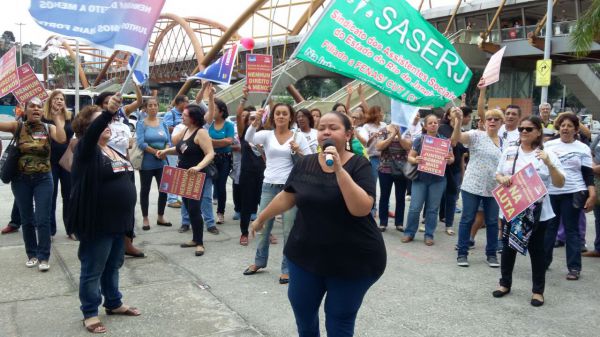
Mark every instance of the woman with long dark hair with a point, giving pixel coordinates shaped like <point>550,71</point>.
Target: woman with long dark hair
<point>526,232</point>
<point>306,125</point>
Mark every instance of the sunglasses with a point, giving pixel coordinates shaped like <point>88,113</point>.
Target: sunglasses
<point>495,119</point>
<point>526,128</point>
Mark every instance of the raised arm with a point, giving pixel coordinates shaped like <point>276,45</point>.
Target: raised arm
<point>210,115</point>
<point>457,134</point>
<point>240,123</point>
<point>349,91</point>
<point>481,103</point>
<point>57,131</point>
<point>9,126</point>
<point>89,141</point>
<point>129,108</point>
<point>200,95</point>
<point>363,100</point>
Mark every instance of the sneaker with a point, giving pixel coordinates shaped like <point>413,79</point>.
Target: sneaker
<point>44,266</point>
<point>220,218</point>
<point>9,229</point>
<point>462,261</point>
<point>421,228</point>
<point>184,228</point>
<point>584,248</point>
<point>176,204</point>
<point>457,210</point>
<point>236,216</point>
<point>253,217</point>
<point>213,230</point>
<point>31,263</point>
<point>407,198</point>
<point>244,240</point>
<point>492,261</point>
<point>400,228</point>
<point>382,228</point>
<point>214,202</point>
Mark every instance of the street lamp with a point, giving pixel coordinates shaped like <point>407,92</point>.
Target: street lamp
<point>20,24</point>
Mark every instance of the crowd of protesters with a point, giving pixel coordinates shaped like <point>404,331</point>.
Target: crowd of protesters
<point>317,170</point>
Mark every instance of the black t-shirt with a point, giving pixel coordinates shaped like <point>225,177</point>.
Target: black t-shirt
<point>116,213</point>
<point>58,150</point>
<point>326,239</point>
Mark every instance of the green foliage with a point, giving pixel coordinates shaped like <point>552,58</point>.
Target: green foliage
<point>63,69</point>
<point>587,30</point>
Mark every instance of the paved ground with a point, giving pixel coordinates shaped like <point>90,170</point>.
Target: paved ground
<point>422,293</point>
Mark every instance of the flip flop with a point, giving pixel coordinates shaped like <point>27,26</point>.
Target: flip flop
<point>131,311</point>
<point>146,227</point>
<point>95,328</point>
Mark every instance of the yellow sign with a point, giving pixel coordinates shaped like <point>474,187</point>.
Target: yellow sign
<point>543,73</point>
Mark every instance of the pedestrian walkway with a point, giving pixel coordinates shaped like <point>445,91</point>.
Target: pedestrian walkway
<point>422,293</point>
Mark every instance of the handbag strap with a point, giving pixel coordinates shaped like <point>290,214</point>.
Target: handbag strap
<point>17,134</point>
<point>515,161</point>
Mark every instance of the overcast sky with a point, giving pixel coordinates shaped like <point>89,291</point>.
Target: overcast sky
<point>226,12</point>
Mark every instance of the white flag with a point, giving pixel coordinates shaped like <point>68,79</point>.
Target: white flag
<point>491,74</point>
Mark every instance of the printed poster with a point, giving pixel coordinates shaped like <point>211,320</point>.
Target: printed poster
<point>526,188</point>
<point>434,151</point>
<point>187,184</point>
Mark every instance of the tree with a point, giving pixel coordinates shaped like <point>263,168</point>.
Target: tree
<point>587,30</point>
<point>63,68</point>
<point>8,36</point>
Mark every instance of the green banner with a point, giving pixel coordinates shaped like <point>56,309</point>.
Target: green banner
<point>389,45</point>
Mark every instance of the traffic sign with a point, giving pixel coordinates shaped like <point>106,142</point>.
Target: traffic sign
<point>543,73</point>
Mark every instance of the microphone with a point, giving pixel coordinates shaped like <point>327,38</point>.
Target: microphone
<point>328,157</point>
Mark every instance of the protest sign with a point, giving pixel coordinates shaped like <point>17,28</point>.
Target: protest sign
<point>29,85</point>
<point>434,151</point>
<point>525,189</point>
<point>185,183</point>
<point>259,71</point>
<point>402,114</point>
<point>220,70</point>
<point>491,74</point>
<point>9,79</point>
<point>390,46</point>
<point>107,24</point>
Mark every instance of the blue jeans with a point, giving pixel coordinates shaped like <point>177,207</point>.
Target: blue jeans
<point>490,210</point>
<point>101,258</point>
<point>64,176</point>
<point>375,171</point>
<point>269,191</point>
<point>29,189</point>
<point>205,207</point>
<point>223,162</point>
<point>562,205</point>
<point>386,180</point>
<point>428,194</point>
<point>172,160</point>
<point>344,298</point>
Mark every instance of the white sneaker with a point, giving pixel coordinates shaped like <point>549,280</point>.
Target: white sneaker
<point>407,198</point>
<point>44,266</point>
<point>421,228</point>
<point>31,263</point>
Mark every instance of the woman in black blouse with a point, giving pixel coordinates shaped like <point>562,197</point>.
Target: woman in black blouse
<point>196,152</point>
<point>334,246</point>
<point>102,205</point>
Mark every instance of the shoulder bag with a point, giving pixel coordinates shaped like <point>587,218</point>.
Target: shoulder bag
<point>10,158</point>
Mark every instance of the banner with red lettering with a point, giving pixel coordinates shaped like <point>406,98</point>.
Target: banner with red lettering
<point>185,183</point>
<point>8,72</point>
<point>29,85</point>
<point>259,71</point>
<point>525,189</point>
<point>434,151</point>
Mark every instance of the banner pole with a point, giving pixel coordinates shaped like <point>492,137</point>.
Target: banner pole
<point>76,76</point>
<point>135,63</point>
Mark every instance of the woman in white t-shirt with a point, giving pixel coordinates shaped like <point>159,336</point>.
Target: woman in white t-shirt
<point>485,148</point>
<point>578,192</point>
<point>306,127</point>
<point>526,232</point>
<point>374,127</point>
<point>278,144</point>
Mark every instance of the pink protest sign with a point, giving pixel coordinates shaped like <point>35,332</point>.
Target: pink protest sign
<point>8,72</point>
<point>525,189</point>
<point>434,151</point>
<point>29,85</point>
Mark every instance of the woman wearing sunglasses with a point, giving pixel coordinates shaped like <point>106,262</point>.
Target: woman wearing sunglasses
<point>485,149</point>
<point>526,232</point>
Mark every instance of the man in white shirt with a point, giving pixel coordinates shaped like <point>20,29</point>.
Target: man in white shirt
<point>508,131</point>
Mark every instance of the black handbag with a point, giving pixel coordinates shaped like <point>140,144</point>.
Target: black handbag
<point>211,171</point>
<point>579,199</point>
<point>10,158</point>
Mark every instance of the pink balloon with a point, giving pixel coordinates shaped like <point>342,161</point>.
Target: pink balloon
<point>247,42</point>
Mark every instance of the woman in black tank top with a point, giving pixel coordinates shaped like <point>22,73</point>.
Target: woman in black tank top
<point>195,151</point>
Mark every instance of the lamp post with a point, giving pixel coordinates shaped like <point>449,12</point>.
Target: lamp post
<point>20,24</point>
<point>547,45</point>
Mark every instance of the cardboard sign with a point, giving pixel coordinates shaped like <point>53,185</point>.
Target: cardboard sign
<point>526,188</point>
<point>259,70</point>
<point>187,184</point>
<point>434,151</point>
<point>8,72</point>
<point>491,73</point>
<point>29,85</point>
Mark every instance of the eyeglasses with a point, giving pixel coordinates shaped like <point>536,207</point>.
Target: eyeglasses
<point>495,119</point>
<point>526,128</point>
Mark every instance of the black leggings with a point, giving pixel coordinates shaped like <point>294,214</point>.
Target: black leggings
<point>193,208</point>
<point>250,190</point>
<point>146,182</point>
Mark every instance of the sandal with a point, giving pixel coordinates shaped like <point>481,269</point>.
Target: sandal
<point>272,239</point>
<point>251,270</point>
<point>188,244</point>
<point>199,250</point>
<point>97,327</point>
<point>573,275</point>
<point>131,311</point>
<point>166,224</point>
<point>536,302</point>
<point>146,227</point>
